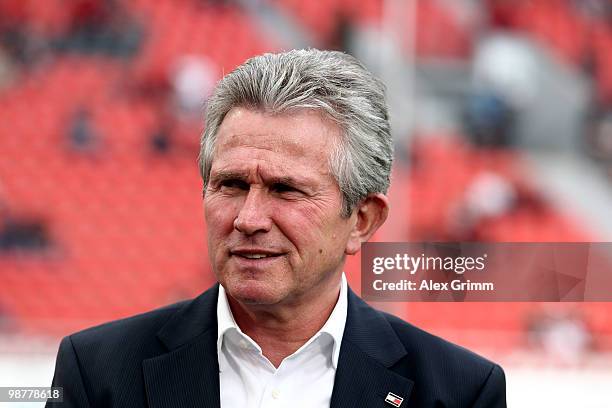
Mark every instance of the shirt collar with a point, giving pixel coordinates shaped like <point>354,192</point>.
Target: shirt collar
<point>334,326</point>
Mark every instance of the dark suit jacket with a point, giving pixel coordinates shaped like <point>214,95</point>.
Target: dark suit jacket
<point>168,358</point>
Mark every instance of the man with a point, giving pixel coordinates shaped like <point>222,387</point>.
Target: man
<point>295,158</point>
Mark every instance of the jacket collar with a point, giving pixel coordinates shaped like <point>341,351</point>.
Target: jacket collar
<point>188,375</point>
<point>370,349</point>
<point>368,329</point>
<point>195,318</point>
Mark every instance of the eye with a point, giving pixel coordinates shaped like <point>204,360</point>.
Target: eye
<point>284,188</point>
<point>234,184</point>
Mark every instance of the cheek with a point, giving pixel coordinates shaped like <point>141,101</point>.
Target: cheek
<point>300,223</point>
<point>219,215</point>
<point>311,230</point>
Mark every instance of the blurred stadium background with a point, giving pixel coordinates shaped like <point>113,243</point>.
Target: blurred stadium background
<point>502,116</point>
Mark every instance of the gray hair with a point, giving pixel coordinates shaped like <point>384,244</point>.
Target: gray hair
<point>331,82</point>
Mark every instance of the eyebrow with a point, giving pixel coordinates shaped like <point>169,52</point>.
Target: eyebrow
<point>228,175</point>
<point>242,176</point>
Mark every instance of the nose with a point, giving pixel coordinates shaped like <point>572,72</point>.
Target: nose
<point>253,216</point>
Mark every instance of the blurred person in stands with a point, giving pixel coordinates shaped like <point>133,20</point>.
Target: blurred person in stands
<point>296,159</point>
<point>193,81</point>
<point>560,336</point>
<point>82,135</point>
<point>161,138</point>
<point>598,139</point>
<point>101,26</point>
<point>20,232</point>
<point>343,30</point>
<point>7,70</point>
<point>488,196</point>
<point>22,44</point>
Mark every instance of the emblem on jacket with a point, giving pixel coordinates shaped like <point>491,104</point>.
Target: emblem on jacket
<point>394,400</point>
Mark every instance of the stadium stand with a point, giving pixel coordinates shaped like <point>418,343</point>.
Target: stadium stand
<point>125,225</point>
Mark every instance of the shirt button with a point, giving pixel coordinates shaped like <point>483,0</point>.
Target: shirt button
<point>244,344</point>
<point>275,394</point>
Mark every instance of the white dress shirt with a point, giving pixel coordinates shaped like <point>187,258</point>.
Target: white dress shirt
<point>303,379</point>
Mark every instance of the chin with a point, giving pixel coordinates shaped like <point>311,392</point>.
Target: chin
<point>252,293</point>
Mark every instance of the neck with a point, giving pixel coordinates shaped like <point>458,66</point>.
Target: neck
<point>280,330</point>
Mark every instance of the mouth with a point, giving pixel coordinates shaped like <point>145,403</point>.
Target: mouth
<point>255,254</point>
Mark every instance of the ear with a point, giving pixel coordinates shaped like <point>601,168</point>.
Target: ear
<point>370,214</point>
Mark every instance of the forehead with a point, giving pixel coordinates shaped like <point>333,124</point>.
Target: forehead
<point>302,138</point>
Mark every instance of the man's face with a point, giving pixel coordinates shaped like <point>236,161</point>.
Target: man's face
<point>273,210</point>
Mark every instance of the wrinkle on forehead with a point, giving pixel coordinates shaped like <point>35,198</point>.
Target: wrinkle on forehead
<point>259,135</point>
<point>262,141</point>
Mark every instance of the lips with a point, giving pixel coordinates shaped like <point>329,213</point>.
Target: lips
<point>254,253</point>
<point>254,256</point>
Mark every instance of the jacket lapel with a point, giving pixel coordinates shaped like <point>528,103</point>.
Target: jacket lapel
<point>188,375</point>
<point>369,349</point>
